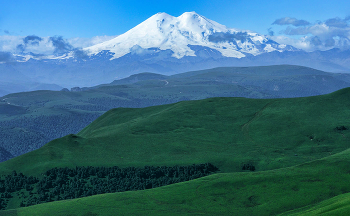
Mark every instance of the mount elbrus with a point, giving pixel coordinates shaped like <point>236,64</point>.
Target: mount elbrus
<point>168,45</point>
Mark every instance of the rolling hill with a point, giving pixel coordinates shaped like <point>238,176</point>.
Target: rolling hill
<point>270,133</point>
<point>31,119</point>
<point>317,187</point>
<point>299,146</point>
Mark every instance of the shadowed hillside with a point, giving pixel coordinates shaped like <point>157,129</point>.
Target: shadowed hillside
<point>36,118</point>
<point>275,155</point>
<point>309,186</point>
<point>228,132</point>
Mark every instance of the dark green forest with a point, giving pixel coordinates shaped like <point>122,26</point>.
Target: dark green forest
<point>26,134</point>
<point>66,183</point>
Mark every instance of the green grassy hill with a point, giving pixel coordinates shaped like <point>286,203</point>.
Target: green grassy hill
<point>28,120</point>
<point>338,205</point>
<point>299,147</point>
<point>308,189</point>
<point>228,132</point>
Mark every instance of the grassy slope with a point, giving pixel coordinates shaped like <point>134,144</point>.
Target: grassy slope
<point>249,193</point>
<point>224,131</point>
<point>339,205</point>
<point>256,82</point>
<point>227,132</point>
<point>47,107</point>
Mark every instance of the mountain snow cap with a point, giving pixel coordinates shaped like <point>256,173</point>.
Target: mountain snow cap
<point>165,32</point>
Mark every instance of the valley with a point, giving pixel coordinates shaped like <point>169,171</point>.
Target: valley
<point>114,108</point>
<point>31,119</point>
<point>289,141</point>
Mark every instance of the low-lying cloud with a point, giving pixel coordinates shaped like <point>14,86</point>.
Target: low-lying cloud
<point>316,41</point>
<point>270,32</point>
<point>136,49</point>
<point>30,40</point>
<point>290,21</point>
<point>61,45</point>
<point>39,46</point>
<point>6,57</point>
<point>20,48</point>
<point>80,53</point>
<point>331,33</point>
<point>337,22</point>
<point>227,37</point>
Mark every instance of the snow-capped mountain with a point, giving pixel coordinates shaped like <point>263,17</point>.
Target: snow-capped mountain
<point>168,45</point>
<point>165,32</point>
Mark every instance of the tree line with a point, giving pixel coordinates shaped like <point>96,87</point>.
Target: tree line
<point>69,183</point>
<point>26,134</point>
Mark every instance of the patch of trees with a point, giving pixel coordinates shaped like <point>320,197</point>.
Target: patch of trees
<point>66,183</point>
<point>12,183</point>
<point>4,155</point>
<point>340,128</point>
<point>26,134</point>
<point>18,141</point>
<point>249,167</point>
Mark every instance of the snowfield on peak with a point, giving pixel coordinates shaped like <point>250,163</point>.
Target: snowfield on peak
<point>165,32</point>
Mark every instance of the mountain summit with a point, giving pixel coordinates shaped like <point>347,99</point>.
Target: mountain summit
<point>165,32</point>
<point>168,45</point>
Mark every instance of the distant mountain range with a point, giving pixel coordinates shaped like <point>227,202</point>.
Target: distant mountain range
<point>169,45</point>
<point>28,120</point>
<point>13,87</point>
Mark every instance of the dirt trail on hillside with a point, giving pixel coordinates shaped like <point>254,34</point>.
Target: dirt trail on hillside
<point>245,127</point>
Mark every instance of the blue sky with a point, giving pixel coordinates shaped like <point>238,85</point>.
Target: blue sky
<point>91,18</point>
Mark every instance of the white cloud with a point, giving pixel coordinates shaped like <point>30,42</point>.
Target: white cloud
<point>308,43</point>
<point>300,43</point>
<point>290,21</point>
<point>86,42</point>
<point>332,33</point>
<point>9,43</point>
